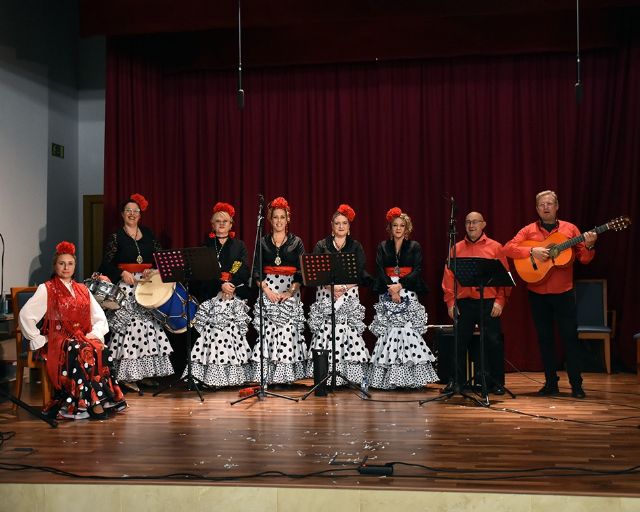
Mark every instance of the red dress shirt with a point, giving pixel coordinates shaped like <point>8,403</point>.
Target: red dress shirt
<point>560,279</point>
<point>483,247</point>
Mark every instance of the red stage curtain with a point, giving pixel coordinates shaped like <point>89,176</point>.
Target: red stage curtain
<point>489,131</point>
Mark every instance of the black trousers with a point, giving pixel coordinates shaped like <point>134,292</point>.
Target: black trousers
<point>558,308</point>
<point>470,315</point>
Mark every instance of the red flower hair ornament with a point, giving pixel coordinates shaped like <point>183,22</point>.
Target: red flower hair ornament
<point>140,199</point>
<point>393,213</point>
<point>227,208</point>
<point>224,207</point>
<point>279,203</point>
<point>66,248</point>
<point>347,211</point>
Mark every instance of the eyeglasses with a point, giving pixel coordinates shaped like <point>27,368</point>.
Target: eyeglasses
<point>544,205</point>
<point>473,222</point>
<point>129,210</point>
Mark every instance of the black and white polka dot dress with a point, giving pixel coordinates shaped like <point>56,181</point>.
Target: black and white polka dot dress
<point>139,346</point>
<point>352,356</point>
<point>285,350</point>
<point>401,358</point>
<point>220,355</point>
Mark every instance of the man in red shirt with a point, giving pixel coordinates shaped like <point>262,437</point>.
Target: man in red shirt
<point>553,298</point>
<point>478,244</point>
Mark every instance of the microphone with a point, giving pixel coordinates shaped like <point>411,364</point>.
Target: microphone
<point>579,92</point>
<point>240,99</point>
<point>454,206</point>
<point>260,206</point>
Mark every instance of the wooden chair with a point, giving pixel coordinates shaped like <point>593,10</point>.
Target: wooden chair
<point>591,306</point>
<point>636,337</point>
<point>24,355</point>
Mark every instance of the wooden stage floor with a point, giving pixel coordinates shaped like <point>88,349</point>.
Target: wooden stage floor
<point>524,445</point>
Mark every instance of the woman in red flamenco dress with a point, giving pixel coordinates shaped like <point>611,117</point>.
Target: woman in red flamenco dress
<point>72,343</point>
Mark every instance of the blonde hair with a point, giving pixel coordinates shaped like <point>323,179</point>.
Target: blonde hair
<point>408,225</point>
<point>224,213</point>
<point>546,193</point>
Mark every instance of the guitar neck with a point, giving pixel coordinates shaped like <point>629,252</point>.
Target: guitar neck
<point>580,238</point>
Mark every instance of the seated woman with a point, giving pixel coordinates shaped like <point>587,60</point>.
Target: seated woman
<point>401,358</point>
<point>140,347</point>
<point>71,342</point>
<point>220,356</point>
<point>352,356</point>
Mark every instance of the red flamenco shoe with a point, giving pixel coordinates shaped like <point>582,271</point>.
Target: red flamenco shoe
<point>248,391</point>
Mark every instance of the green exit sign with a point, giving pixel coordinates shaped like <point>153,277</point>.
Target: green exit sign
<point>57,150</point>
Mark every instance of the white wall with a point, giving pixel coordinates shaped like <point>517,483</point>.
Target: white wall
<point>91,80</point>
<point>44,99</point>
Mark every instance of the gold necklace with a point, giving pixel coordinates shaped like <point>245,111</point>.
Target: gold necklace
<point>396,270</point>
<point>278,259</point>
<point>139,259</point>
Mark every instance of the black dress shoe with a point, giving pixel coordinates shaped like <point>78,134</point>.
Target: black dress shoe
<point>52,411</point>
<point>498,390</point>
<point>577,392</point>
<point>97,412</point>
<point>549,389</point>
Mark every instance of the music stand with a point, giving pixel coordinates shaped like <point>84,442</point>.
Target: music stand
<point>330,269</point>
<point>182,266</point>
<point>479,273</point>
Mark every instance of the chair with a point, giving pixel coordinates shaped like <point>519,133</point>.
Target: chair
<point>591,306</point>
<point>24,355</point>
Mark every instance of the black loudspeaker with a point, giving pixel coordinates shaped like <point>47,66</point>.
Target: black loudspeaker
<point>444,355</point>
<point>320,370</point>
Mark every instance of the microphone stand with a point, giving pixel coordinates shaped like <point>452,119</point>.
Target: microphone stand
<point>457,388</point>
<point>34,412</point>
<point>261,393</point>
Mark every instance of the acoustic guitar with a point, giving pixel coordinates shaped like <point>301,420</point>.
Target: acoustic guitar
<point>535,271</point>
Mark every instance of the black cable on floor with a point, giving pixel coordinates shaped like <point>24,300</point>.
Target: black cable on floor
<point>5,436</point>
<point>435,473</point>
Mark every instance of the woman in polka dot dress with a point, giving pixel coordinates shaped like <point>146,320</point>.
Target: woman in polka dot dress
<point>401,358</point>
<point>138,342</point>
<point>220,355</point>
<point>72,343</point>
<point>285,353</point>
<point>352,356</point>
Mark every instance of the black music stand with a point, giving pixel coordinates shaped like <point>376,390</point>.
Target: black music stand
<point>182,266</point>
<point>330,269</point>
<point>479,273</point>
